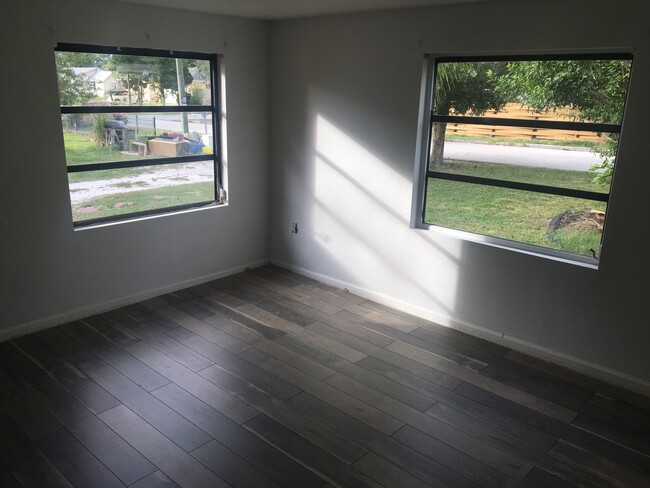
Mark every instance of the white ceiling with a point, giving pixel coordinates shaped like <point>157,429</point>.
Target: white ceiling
<point>285,9</point>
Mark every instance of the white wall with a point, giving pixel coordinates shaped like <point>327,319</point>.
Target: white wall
<point>345,95</point>
<point>50,273</point>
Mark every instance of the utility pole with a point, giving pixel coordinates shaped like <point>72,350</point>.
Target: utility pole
<point>181,93</point>
<point>128,89</point>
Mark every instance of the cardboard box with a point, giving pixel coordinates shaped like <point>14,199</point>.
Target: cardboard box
<point>168,148</point>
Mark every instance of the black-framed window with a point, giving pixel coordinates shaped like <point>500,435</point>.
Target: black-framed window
<point>141,131</point>
<point>520,151</point>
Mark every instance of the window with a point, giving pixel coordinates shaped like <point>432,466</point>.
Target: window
<point>149,144</point>
<point>519,152</point>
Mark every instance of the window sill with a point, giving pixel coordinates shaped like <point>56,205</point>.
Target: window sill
<point>519,247</point>
<point>138,218</point>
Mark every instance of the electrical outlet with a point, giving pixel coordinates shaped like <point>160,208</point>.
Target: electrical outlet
<point>294,227</point>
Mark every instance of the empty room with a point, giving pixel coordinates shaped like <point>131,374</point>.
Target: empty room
<point>325,243</point>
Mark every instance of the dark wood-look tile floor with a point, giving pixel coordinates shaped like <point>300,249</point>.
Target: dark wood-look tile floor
<point>271,379</point>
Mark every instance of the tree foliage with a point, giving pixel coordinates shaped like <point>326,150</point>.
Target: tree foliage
<point>461,89</point>
<point>594,91</point>
<point>140,72</point>
<point>470,87</point>
<point>73,90</point>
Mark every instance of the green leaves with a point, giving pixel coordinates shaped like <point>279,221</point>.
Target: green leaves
<point>594,89</point>
<point>72,88</point>
<point>471,87</point>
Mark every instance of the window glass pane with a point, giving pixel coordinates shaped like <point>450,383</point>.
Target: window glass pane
<point>98,138</point>
<point>562,223</point>
<point>116,79</point>
<point>107,193</point>
<point>565,159</point>
<point>561,90</point>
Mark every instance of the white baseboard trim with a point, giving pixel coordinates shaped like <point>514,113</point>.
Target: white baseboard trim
<point>80,313</point>
<point>577,365</point>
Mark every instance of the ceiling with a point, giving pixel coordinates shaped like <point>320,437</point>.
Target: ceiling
<point>285,9</point>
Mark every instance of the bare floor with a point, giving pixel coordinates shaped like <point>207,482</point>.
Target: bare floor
<point>269,379</point>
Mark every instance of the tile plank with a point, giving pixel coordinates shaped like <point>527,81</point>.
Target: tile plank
<point>571,434</point>
<point>472,377</point>
<point>156,479</point>
<point>249,447</point>
<point>236,365</point>
<point>386,473</point>
<point>145,405</point>
<point>321,462</point>
<point>362,411</point>
<point>391,388</point>
<point>24,461</point>
<point>605,468</point>
<point>230,467</point>
<point>478,472</point>
<point>32,418</point>
<point>385,354</point>
<point>452,355</point>
<point>76,462</point>
<point>455,439</point>
<point>447,332</point>
<point>205,328</point>
<point>95,398</point>
<point>385,446</point>
<point>126,364</point>
<point>524,432</point>
<point>177,464</point>
<point>320,435</point>
<point>124,461</point>
<point>16,364</point>
<point>193,383</point>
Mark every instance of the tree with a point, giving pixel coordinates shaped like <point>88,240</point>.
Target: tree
<point>463,88</point>
<point>546,85</point>
<point>141,72</point>
<point>73,89</point>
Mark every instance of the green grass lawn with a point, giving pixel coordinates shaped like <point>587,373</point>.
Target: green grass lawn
<point>513,214</point>
<point>142,200</point>
<point>81,149</point>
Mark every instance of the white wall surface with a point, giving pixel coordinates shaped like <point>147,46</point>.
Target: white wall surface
<point>345,95</point>
<point>48,271</point>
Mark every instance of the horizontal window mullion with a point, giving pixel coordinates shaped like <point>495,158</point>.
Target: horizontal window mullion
<point>135,163</point>
<point>515,185</point>
<point>149,109</point>
<point>144,213</point>
<point>535,124</point>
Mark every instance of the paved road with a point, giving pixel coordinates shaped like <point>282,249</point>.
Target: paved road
<point>538,157</point>
<point>171,122</point>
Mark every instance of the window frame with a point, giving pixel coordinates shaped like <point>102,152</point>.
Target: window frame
<point>427,117</point>
<point>214,109</point>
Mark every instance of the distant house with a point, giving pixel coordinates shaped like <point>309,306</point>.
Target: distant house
<point>200,83</point>
<point>102,82</point>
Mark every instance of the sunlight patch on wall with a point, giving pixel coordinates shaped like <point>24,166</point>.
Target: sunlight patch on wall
<point>361,218</point>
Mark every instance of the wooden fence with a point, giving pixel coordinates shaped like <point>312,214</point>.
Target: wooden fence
<point>518,111</point>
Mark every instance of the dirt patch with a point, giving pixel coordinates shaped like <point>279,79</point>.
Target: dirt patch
<point>85,210</point>
<point>122,204</point>
<point>584,219</point>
